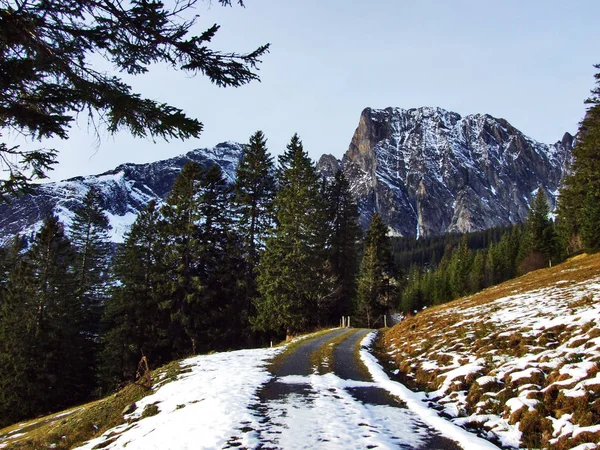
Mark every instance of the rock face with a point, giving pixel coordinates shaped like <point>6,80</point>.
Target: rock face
<point>426,170</point>
<point>125,191</point>
<point>429,171</point>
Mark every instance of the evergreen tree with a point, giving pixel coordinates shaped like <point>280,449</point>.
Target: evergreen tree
<point>182,286</point>
<point>89,236</point>
<point>370,286</point>
<point>580,194</point>
<point>219,317</point>
<point>342,244</point>
<point>377,291</point>
<point>476,276</point>
<point>460,265</point>
<point>43,353</point>
<point>590,222</point>
<point>46,59</point>
<point>135,323</point>
<point>290,272</point>
<point>412,296</point>
<point>539,239</point>
<point>254,193</point>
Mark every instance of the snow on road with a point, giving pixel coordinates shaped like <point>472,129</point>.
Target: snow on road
<point>217,405</point>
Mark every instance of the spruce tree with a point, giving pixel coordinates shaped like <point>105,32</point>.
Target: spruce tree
<point>580,195</point>
<point>255,187</point>
<point>376,291</point>
<point>290,272</point>
<point>370,285</point>
<point>476,276</point>
<point>182,283</point>
<point>342,244</point>
<point>460,265</point>
<point>136,325</point>
<point>219,316</point>
<point>89,236</point>
<point>44,363</point>
<point>254,192</point>
<point>539,238</point>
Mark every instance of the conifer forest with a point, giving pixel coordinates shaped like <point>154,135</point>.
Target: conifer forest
<point>219,265</point>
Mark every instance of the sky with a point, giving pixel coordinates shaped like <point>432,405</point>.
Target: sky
<point>529,62</point>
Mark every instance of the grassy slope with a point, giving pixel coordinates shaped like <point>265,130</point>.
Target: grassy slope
<point>74,426</point>
<point>65,429</point>
<point>519,361</point>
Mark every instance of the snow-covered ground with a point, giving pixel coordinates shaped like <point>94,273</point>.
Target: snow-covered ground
<point>215,405</point>
<point>523,368</point>
<point>203,409</point>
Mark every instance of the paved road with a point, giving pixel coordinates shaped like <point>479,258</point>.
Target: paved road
<point>322,396</point>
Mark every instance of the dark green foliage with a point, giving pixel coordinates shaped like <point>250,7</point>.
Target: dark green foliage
<point>89,235</point>
<point>219,317</point>
<point>590,223</point>
<point>343,241</point>
<point>371,284</point>
<point>182,285</point>
<point>428,251</point>
<point>253,197</point>
<point>476,277</point>
<point>292,277</point>
<point>460,267</point>
<point>376,278</point>
<point>580,195</point>
<point>462,271</point>
<point>254,193</point>
<point>135,324</point>
<point>539,241</point>
<point>43,354</point>
<point>46,48</point>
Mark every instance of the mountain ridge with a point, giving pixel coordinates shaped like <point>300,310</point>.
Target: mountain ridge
<point>427,170</point>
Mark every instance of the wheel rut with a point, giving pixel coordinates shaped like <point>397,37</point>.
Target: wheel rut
<point>322,396</point>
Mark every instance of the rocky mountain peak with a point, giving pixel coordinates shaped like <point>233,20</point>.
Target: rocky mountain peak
<point>430,171</point>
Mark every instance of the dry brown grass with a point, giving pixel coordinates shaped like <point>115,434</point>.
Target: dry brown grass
<point>75,426</point>
<point>421,344</point>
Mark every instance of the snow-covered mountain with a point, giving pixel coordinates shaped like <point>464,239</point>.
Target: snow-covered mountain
<point>429,171</point>
<point>125,190</point>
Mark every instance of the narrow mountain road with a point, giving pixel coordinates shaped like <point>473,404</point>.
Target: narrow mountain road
<point>322,396</point>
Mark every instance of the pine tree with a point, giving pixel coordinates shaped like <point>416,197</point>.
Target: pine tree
<point>476,277</point>
<point>370,286</point>
<point>136,325</point>
<point>253,197</point>
<point>182,285</point>
<point>291,269</point>
<point>539,238</point>
<point>412,296</point>
<point>219,317</point>
<point>460,265</point>
<point>580,195</point>
<point>89,236</point>
<point>376,292</point>
<point>342,244</point>
<point>43,354</point>
<point>590,222</point>
<point>254,193</point>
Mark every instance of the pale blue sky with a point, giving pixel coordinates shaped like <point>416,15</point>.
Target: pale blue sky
<point>528,61</point>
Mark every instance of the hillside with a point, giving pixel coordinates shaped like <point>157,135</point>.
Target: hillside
<point>125,191</point>
<point>519,362</point>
